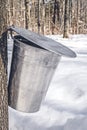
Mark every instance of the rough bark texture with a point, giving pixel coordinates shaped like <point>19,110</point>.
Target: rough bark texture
<point>70,15</point>
<point>66,20</point>
<point>27,13</point>
<point>3,67</point>
<point>77,16</point>
<point>38,16</point>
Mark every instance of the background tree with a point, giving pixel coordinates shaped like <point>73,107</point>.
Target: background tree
<point>38,16</point>
<point>70,16</point>
<point>27,14</point>
<point>66,19</point>
<point>3,67</point>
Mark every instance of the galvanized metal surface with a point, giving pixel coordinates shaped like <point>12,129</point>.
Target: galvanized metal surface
<point>34,61</point>
<point>44,42</point>
<point>31,73</point>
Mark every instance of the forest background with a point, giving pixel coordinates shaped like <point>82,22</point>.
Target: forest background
<point>49,17</point>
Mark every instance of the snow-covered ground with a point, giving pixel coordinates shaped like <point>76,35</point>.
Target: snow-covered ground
<point>65,105</point>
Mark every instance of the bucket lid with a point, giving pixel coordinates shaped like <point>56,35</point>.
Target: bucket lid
<point>44,42</point>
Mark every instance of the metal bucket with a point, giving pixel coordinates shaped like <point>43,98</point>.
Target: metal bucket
<point>34,61</point>
<point>31,72</point>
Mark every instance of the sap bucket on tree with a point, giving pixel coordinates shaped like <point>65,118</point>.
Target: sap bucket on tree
<point>35,58</point>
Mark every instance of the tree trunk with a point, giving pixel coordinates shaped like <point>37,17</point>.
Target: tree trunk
<point>27,13</point>
<point>66,20</point>
<point>3,67</point>
<point>43,18</point>
<point>70,16</point>
<point>38,16</point>
<point>77,16</point>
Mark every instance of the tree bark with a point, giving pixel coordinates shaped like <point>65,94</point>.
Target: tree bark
<point>27,13</point>
<point>38,16</point>
<point>3,67</point>
<point>43,18</point>
<point>70,14</point>
<point>77,16</point>
<point>66,20</point>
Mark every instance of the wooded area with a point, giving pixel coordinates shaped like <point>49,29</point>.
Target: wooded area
<point>48,17</point>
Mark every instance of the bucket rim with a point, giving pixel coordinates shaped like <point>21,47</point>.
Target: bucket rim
<point>44,42</point>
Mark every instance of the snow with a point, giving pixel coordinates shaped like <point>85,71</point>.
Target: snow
<point>65,105</point>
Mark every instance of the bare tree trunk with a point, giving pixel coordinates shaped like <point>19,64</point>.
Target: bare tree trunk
<point>49,18</point>
<point>27,14</point>
<point>61,16</point>
<point>70,16</point>
<point>77,16</point>
<point>66,20</point>
<point>43,18</point>
<point>38,16</point>
<point>3,67</point>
